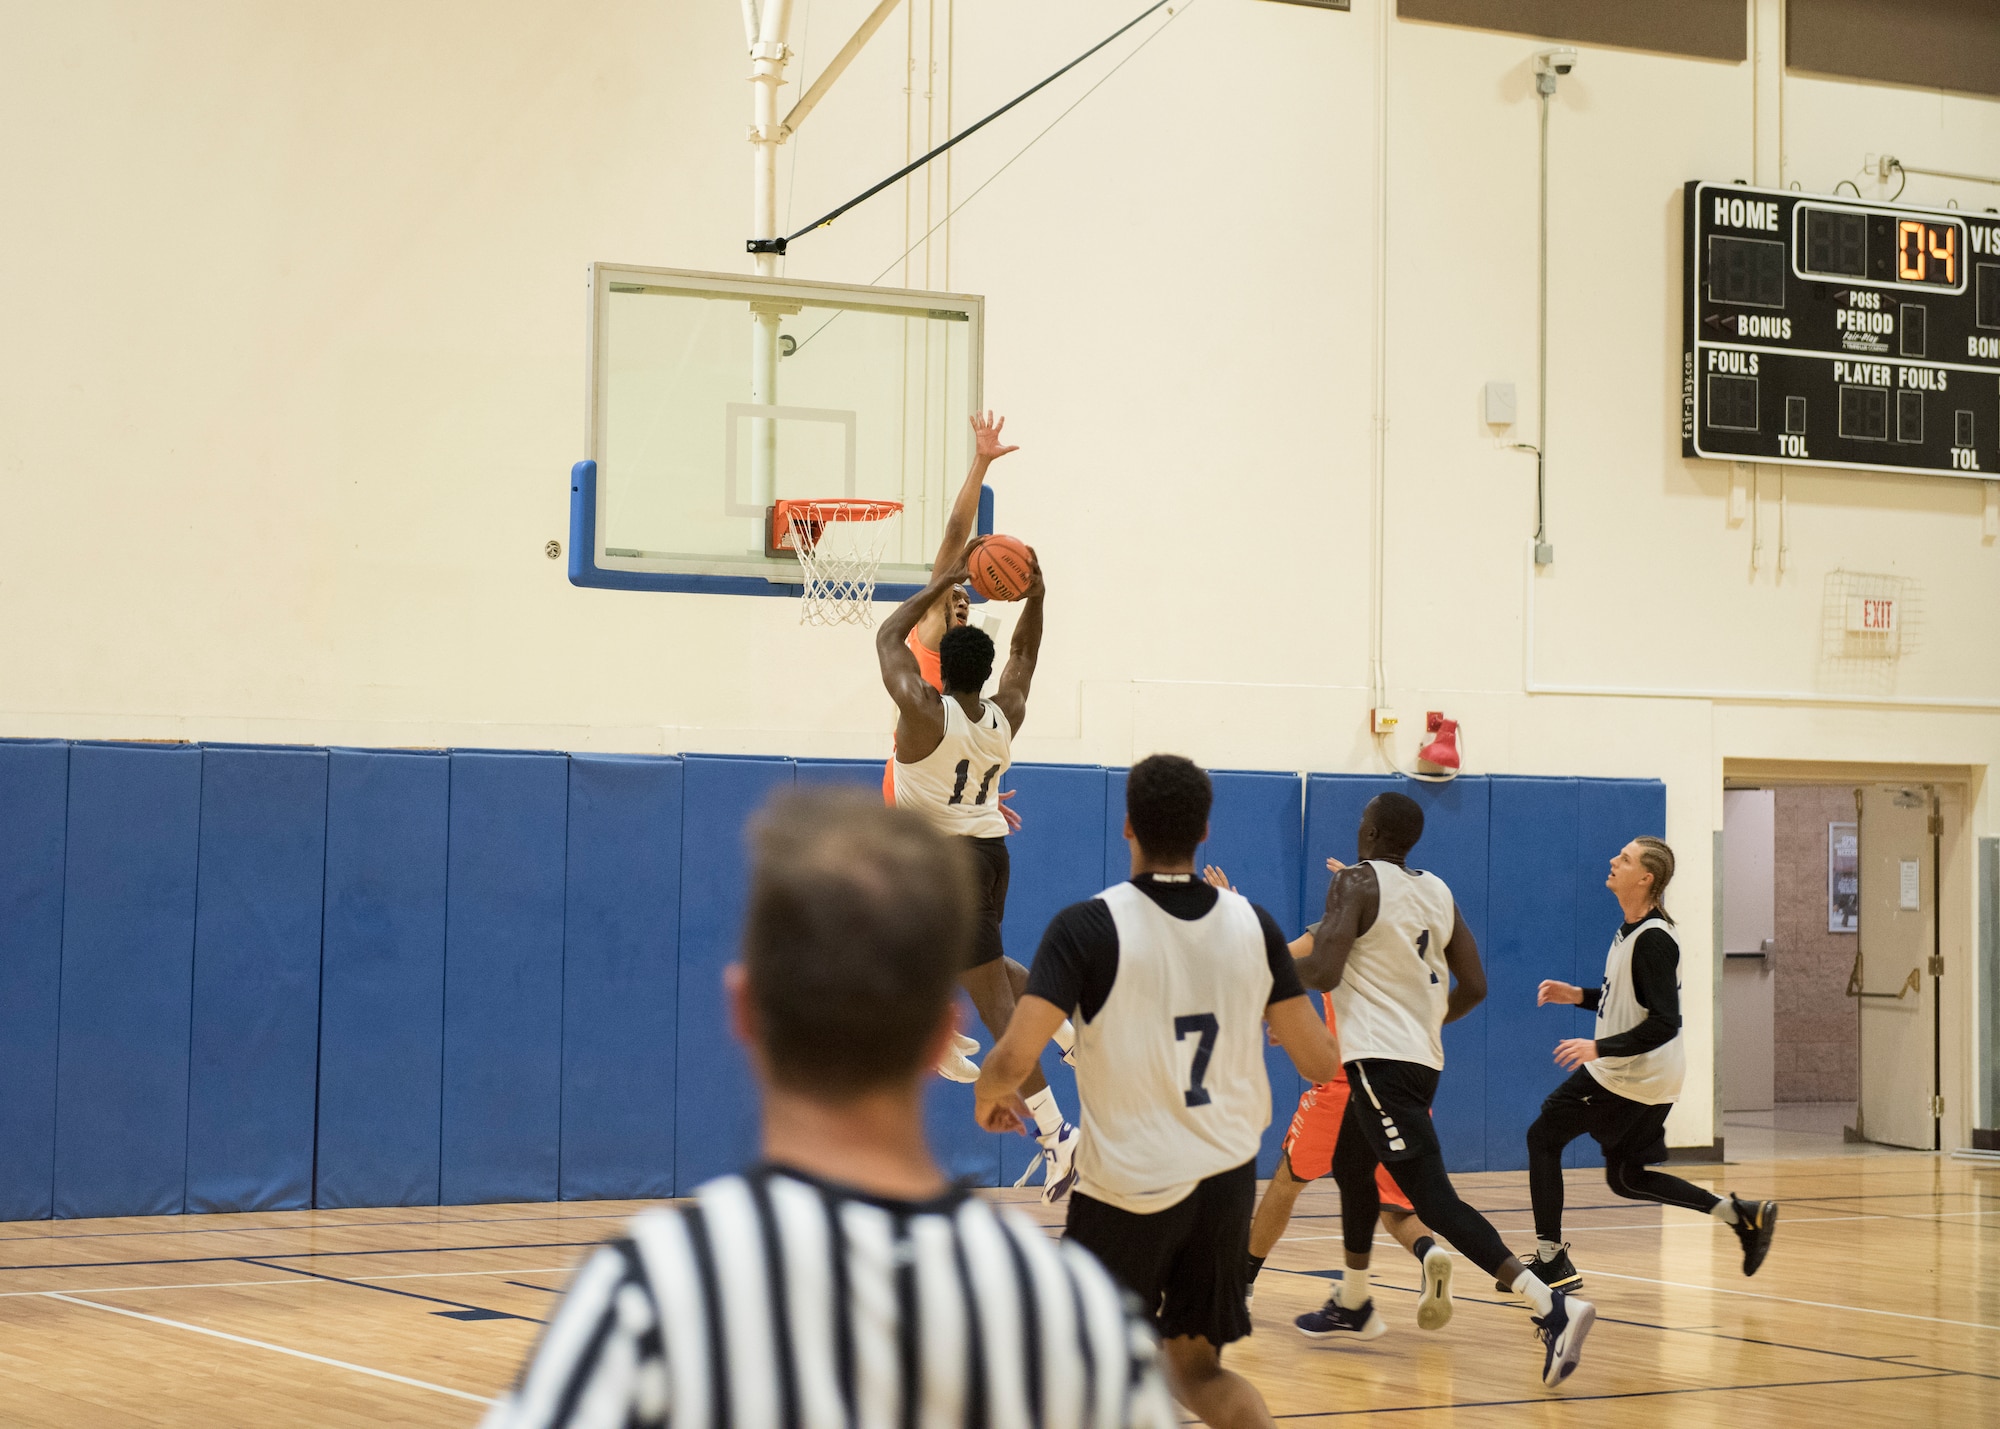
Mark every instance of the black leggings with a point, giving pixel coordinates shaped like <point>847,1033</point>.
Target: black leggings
<point>1633,1179</point>
<point>1432,1197</point>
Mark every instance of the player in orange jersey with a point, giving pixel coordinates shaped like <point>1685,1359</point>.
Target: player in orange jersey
<point>1308,1155</point>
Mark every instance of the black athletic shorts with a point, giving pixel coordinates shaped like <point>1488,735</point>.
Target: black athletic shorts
<point>1389,1105</point>
<point>990,868</point>
<point>1632,1133</point>
<point>1187,1264</point>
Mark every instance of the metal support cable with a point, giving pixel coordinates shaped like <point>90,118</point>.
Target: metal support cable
<point>778,245</point>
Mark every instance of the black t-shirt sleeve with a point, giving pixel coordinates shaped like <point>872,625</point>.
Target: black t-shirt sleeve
<point>1277,950</point>
<point>1078,959</point>
<point>1591,997</point>
<point>1656,983</point>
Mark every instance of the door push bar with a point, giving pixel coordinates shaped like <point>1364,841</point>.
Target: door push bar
<point>1912,983</point>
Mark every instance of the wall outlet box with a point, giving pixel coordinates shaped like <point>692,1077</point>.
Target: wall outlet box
<point>1499,404</point>
<point>1382,721</point>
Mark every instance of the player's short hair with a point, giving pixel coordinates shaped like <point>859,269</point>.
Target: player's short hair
<point>860,922</point>
<point>1398,821</point>
<point>1657,859</point>
<point>965,659</point>
<point>1167,798</point>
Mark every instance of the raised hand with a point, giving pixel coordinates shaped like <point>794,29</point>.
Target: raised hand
<point>1035,586</point>
<point>1553,991</point>
<point>1216,878</point>
<point>1334,865</point>
<point>986,437</point>
<point>1013,818</point>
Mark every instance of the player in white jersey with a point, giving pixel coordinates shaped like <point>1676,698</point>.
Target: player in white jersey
<point>1399,963</point>
<point>1624,1081</point>
<point>1170,982</point>
<point>952,746</point>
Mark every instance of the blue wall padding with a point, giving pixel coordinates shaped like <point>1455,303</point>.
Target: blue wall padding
<point>253,1063</point>
<point>128,960</point>
<point>501,1128</point>
<point>715,1125</point>
<point>34,813</point>
<point>963,1150</point>
<point>1056,859</point>
<point>382,979</point>
<point>1454,847</point>
<point>1610,813</point>
<point>1533,916</point>
<point>621,949</point>
<point>1256,837</point>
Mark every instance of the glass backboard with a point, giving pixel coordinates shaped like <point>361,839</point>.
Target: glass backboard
<point>712,395</point>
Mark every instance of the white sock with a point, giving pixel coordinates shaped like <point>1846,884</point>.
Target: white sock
<point>1353,1288</point>
<point>1066,1037</point>
<point>1048,1116</point>
<point>1547,1250</point>
<point>1724,1210</point>
<point>1530,1288</point>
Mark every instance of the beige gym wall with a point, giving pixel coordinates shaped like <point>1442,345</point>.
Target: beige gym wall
<point>295,306</point>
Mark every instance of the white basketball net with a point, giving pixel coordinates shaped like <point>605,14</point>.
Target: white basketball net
<point>840,545</point>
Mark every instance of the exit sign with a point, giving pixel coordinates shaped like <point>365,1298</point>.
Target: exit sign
<point>1867,616</point>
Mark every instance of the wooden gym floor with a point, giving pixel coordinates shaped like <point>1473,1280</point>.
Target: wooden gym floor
<point>1880,1305</point>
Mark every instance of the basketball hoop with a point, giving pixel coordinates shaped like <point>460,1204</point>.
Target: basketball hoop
<point>840,543</point>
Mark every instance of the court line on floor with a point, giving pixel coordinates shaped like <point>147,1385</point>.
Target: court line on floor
<point>319,1225</point>
<point>1792,1300</point>
<point>300,1255</point>
<point>267,1345</point>
<point>485,1310</point>
<point>246,1284</point>
<point>1552,1398</point>
<point>1709,1332</point>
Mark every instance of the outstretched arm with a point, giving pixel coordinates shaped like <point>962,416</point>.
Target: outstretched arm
<point>1026,648</point>
<point>919,712</point>
<point>997,1103</point>
<point>1352,900</point>
<point>986,449</point>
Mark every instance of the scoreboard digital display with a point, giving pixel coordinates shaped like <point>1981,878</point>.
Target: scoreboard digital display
<point>1825,332</point>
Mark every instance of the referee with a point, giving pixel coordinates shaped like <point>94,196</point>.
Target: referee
<point>844,1281</point>
<point>1170,982</point>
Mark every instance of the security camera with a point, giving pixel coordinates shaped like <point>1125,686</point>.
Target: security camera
<point>1550,64</point>
<point>1560,60</point>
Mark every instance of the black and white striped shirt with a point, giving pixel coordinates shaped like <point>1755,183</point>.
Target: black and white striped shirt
<point>777,1300</point>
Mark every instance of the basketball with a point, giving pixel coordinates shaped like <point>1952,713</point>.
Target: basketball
<point>1001,568</point>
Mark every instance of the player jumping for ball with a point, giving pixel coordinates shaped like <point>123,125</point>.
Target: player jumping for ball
<point>952,746</point>
<point>948,612</point>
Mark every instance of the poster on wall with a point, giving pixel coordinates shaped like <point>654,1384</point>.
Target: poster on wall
<point>1843,879</point>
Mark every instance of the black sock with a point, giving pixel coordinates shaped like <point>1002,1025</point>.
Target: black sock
<point>1424,1246</point>
<point>1256,1264</point>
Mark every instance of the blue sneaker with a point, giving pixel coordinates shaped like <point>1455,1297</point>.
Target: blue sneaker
<point>1334,1319</point>
<point>1562,1333</point>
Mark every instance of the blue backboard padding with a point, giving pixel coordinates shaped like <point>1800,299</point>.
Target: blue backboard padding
<point>621,942</point>
<point>716,1121</point>
<point>501,1129</point>
<point>1454,847</point>
<point>1055,860</point>
<point>128,961</point>
<point>1533,890</point>
<point>965,1152</point>
<point>254,1061</point>
<point>34,814</point>
<point>382,979</point>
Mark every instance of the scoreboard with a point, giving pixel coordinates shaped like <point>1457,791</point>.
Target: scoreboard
<point>1827,332</point>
